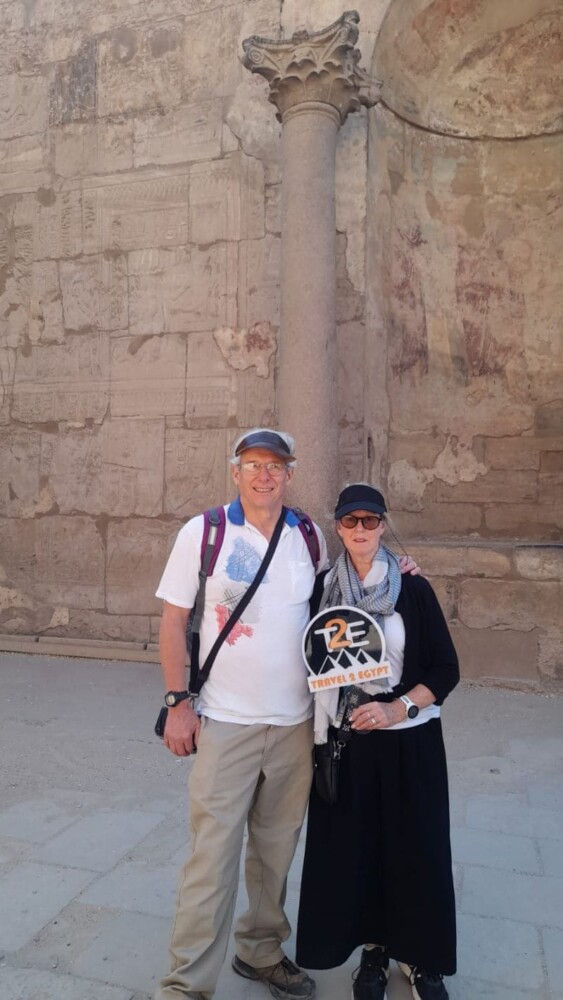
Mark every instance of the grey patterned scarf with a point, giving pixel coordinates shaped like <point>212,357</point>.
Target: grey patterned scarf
<point>344,586</point>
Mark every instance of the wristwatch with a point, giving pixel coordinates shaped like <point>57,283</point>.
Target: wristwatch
<point>172,698</point>
<point>412,709</point>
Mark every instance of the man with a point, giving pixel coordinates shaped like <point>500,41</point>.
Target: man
<point>254,737</point>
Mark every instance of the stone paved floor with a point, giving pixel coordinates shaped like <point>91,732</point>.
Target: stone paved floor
<point>93,821</point>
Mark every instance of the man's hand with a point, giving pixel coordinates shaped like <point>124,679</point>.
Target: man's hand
<point>408,565</point>
<point>181,732</point>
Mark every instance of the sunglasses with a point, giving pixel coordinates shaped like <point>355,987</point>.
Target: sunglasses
<point>370,522</point>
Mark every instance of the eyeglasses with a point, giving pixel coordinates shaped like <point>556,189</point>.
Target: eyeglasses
<point>370,522</point>
<point>272,468</point>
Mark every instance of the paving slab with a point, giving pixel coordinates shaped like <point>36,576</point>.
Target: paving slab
<point>513,815</point>
<point>501,952</point>
<point>28,984</point>
<point>98,842</point>
<point>134,887</point>
<point>526,898</point>
<point>31,895</point>
<point>495,850</point>
<point>553,949</point>
<point>551,854</point>
<point>125,951</point>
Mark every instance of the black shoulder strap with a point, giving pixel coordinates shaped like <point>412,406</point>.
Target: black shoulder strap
<point>197,682</point>
<point>211,528</point>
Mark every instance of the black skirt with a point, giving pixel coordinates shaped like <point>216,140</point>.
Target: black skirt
<point>377,865</point>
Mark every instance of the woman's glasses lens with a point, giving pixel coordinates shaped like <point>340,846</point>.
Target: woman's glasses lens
<point>370,522</point>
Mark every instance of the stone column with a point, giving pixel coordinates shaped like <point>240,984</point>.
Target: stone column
<point>315,82</point>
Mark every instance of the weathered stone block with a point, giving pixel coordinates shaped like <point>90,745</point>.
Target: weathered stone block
<point>486,653</point>
<point>128,212</point>
<point>23,105</point>
<point>217,396</point>
<point>521,605</point>
<point>94,293</point>
<point>350,339</point>
<point>117,469</point>
<point>542,522</point>
<point>418,450</point>
<point>148,375</point>
<point>87,148</point>
<point>182,289</point>
<point>273,209</point>
<point>73,90</point>
<point>550,658</point>
<point>196,470</point>
<point>55,560</point>
<point>550,487</point>
<point>42,295</point>
<point>436,520</point>
<point>136,555</point>
<point>552,457</point>
<point>226,200</point>
<point>447,592</point>
<point>7,367</point>
<point>67,381</point>
<point>23,165</point>
<point>549,419</point>
<point>111,628</point>
<point>494,487</point>
<point>512,453</point>
<point>462,560</point>
<point>179,135</point>
<point>244,349</point>
<point>539,562</point>
<point>19,472</point>
<point>259,266</point>
<point>140,68</point>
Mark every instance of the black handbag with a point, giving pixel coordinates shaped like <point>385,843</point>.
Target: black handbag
<point>326,756</point>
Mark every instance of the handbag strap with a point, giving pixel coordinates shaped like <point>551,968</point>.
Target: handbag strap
<point>205,670</point>
<point>353,698</point>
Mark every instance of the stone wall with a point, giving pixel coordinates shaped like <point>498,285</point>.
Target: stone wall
<point>139,301</point>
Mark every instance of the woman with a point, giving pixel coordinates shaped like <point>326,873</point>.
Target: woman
<point>377,869</point>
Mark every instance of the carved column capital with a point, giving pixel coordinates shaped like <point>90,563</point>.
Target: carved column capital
<point>317,66</point>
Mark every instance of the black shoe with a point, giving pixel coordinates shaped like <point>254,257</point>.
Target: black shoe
<point>370,979</point>
<point>285,979</point>
<point>424,986</point>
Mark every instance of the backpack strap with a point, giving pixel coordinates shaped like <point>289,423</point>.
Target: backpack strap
<point>307,529</point>
<point>212,539</point>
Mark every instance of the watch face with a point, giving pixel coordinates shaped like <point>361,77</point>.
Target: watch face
<point>412,711</point>
<point>170,699</point>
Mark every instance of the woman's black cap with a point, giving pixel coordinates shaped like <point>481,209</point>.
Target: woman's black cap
<point>359,496</point>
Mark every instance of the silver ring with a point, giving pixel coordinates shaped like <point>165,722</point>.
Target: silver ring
<point>372,720</point>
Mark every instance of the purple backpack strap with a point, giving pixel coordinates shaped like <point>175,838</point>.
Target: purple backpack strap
<point>307,529</point>
<point>213,520</point>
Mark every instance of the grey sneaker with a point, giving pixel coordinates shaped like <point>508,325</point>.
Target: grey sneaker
<point>286,980</point>
<point>424,986</point>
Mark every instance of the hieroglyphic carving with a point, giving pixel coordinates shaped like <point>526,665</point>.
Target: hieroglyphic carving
<point>67,381</point>
<point>22,165</point>
<point>182,289</point>
<point>94,293</point>
<point>136,555</point>
<point>7,368</point>
<point>116,468</point>
<point>130,213</point>
<point>49,226</point>
<point>19,471</point>
<point>217,395</point>
<point>227,199</point>
<point>148,375</point>
<point>321,66</point>
<point>180,135</point>
<point>140,69</point>
<point>196,470</point>
<point>100,147</point>
<point>23,105</point>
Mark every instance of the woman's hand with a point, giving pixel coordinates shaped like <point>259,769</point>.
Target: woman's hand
<point>408,565</point>
<point>377,715</point>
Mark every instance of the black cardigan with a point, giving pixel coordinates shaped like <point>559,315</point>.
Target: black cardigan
<point>430,657</point>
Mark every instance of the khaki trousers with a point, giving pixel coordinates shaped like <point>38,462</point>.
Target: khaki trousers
<point>257,775</point>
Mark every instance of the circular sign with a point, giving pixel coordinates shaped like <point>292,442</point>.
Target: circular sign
<point>344,645</point>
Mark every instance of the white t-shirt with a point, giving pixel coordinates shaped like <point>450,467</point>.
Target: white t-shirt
<point>258,675</point>
<point>394,631</point>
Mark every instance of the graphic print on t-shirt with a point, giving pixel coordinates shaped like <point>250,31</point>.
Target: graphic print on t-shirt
<point>241,567</point>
